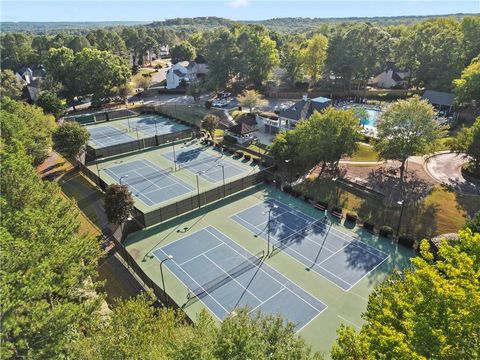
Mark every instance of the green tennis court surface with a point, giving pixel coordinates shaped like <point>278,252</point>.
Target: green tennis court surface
<point>213,263</point>
<point>151,176</point>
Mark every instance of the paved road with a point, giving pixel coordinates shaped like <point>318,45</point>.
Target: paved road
<point>446,169</point>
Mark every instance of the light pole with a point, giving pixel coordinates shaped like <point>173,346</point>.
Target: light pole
<point>169,257</point>
<point>155,128</point>
<point>268,230</point>
<point>174,157</point>
<point>121,178</point>
<point>287,161</point>
<point>123,223</point>
<point>401,203</point>
<point>223,176</point>
<point>198,186</point>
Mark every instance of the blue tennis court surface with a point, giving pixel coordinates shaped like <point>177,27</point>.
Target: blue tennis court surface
<point>208,166</point>
<point>225,276</point>
<point>152,125</point>
<point>331,253</point>
<point>148,182</point>
<point>106,135</point>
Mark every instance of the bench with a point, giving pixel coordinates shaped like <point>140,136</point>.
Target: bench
<point>319,206</point>
<point>337,214</point>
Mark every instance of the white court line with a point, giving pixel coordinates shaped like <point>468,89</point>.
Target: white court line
<point>181,281</point>
<point>266,272</point>
<point>233,279</point>
<point>201,254</point>
<point>354,241</point>
<point>269,298</point>
<point>349,321</point>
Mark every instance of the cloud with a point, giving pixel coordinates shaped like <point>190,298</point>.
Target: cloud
<point>238,3</point>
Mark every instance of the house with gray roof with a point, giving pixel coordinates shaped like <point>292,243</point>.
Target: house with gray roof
<point>301,110</point>
<point>442,100</point>
<point>183,70</point>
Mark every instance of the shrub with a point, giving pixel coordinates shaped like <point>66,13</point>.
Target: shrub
<point>256,160</point>
<point>208,105</point>
<point>288,189</point>
<point>352,217</point>
<point>337,209</point>
<point>386,231</point>
<point>247,157</point>
<point>406,240</point>
<point>308,198</point>
<point>368,225</point>
<point>230,138</point>
<point>239,154</point>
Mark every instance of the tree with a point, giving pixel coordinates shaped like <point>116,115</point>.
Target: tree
<point>467,88</point>
<point>428,312</point>
<point>314,56</point>
<point>161,331</point>
<point>182,52</point>
<point>10,84</point>
<point>256,56</point>
<point>16,50</point>
<point>78,43</point>
<point>221,54</point>
<point>118,203</point>
<point>251,99</point>
<point>51,104</point>
<point>107,40</point>
<point>98,72</point>
<point>470,27</point>
<point>473,223</point>
<point>124,91</point>
<point>27,125</point>
<point>407,128</point>
<point>59,64</point>
<point>210,123</point>
<point>467,141</point>
<point>48,293</point>
<point>70,138</point>
<point>144,82</point>
<point>292,62</point>
<point>431,48</point>
<point>194,89</point>
<point>326,137</point>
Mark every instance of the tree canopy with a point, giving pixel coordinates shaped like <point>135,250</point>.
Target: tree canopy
<point>70,138</point>
<point>182,52</point>
<point>10,84</point>
<point>314,56</point>
<point>467,87</point>
<point>467,141</point>
<point>251,99</point>
<point>118,203</point>
<point>428,312</point>
<point>407,128</point>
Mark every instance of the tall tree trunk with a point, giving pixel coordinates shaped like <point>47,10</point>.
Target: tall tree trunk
<point>402,171</point>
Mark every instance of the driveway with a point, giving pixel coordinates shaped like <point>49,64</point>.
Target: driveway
<point>446,169</point>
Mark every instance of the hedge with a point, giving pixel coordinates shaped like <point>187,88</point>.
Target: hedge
<point>386,231</point>
<point>368,225</point>
<point>350,216</point>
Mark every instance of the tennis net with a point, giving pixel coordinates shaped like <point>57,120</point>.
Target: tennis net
<point>249,263</point>
<point>190,164</point>
<point>314,226</point>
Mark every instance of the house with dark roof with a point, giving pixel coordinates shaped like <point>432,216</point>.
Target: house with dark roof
<point>242,132</point>
<point>183,70</point>
<point>391,78</point>
<point>301,110</point>
<point>442,100</point>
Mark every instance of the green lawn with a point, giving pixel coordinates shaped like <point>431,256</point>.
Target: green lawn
<point>364,153</point>
<point>139,75</point>
<point>442,211</point>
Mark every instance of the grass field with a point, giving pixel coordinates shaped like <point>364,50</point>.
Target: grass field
<point>442,211</point>
<point>343,306</point>
<point>364,153</point>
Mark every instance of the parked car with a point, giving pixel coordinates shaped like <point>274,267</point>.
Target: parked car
<point>223,95</point>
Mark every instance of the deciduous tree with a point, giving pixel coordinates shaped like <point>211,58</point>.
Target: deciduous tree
<point>51,104</point>
<point>407,128</point>
<point>182,52</point>
<point>467,88</point>
<point>210,123</point>
<point>314,56</point>
<point>10,84</point>
<point>118,203</point>
<point>252,99</point>
<point>428,312</point>
<point>70,138</point>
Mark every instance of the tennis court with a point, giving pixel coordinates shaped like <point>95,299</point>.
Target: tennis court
<point>201,162</point>
<point>106,135</point>
<point>147,182</point>
<point>335,255</point>
<point>152,125</point>
<point>224,275</point>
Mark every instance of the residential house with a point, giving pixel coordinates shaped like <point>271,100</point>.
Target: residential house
<point>32,79</point>
<point>442,100</point>
<point>183,70</point>
<point>288,118</point>
<point>25,74</point>
<point>242,132</point>
<point>391,78</point>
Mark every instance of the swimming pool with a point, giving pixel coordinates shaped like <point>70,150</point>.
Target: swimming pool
<point>371,118</point>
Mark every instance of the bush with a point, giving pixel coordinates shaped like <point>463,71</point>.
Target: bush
<point>247,157</point>
<point>368,225</point>
<point>308,198</point>
<point>352,217</point>
<point>386,231</point>
<point>256,160</point>
<point>337,209</point>
<point>239,154</point>
<point>208,105</point>
<point>230,138</point>
<point>406,240</point>
<point>287,189</point>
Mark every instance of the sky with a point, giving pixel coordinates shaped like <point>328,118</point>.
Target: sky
<point>122,10</point>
